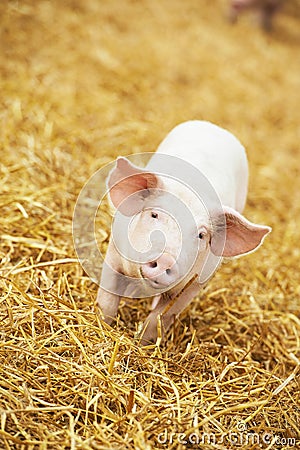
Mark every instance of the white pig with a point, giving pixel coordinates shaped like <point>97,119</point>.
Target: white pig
<point>176,219</point>
<point>265,9</point>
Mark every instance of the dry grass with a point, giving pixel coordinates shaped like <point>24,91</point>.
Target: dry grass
<point>83,81</point>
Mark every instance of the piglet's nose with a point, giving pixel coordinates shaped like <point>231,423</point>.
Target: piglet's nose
<point>163,271</point>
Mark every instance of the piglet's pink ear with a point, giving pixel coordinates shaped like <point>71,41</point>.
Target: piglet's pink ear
<point>124,181</point>
<point>242,236</point>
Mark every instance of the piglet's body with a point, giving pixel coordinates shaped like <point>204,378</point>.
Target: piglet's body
<point>216,153</point>
<point>183,213</point>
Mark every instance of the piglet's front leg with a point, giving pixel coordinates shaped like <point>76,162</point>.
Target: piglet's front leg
<point>167,308</point>
<point>108,300</point>
<point>109,304</point>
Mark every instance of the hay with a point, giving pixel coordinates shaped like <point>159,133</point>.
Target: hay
<point>82,82</point>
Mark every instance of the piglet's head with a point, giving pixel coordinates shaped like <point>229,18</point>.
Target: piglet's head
<point>191,235</point>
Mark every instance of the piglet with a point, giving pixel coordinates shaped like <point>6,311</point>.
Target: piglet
<point>264,8</point>
<point>175,220</point>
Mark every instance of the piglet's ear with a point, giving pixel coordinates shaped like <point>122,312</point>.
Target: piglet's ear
<point>242,236</point>
<point>124,181</point>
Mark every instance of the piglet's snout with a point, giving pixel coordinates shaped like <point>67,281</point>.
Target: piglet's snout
<point>163,271</point>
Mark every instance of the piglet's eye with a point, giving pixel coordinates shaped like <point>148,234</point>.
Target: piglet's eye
<point>201,235</point>
<point>154,215</point>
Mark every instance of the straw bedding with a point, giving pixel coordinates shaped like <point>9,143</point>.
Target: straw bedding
<point>83,81</point>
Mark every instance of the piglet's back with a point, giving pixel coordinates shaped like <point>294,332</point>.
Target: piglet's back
<point>215,152</point>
